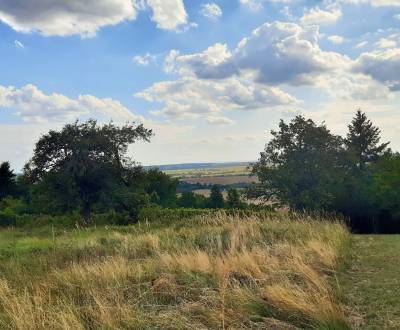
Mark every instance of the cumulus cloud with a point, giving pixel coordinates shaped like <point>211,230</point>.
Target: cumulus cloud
<point>321,17</point>
<point>31,104</point>
<point>189,97</point>
<point>275,53</point>
<point>86,17</point>
<point>247,77</point>
<point>352,86</point>
<point>211,10</point>
<point>65,17</point>
<point>337,40</point>
<point>168,14</point>
<point>383,66</point>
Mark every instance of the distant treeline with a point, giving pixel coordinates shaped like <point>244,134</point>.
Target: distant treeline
<point>197,166</point>
<point>184,187</point>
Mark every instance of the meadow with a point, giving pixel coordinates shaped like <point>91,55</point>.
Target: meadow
<point>207,271</point>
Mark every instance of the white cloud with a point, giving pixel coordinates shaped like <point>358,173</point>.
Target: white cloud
<point>65,17</point>
<point>189,97</point>
<point>211,10</point>
<point>252,4</point>
<point>352,86</point>
<point>86,17</point>
<point>383,66</point>
<point>31,104</point>
<point>386,43</point>
<point>145,60</point>
<point>168,14</point>
<point>214,120</point>
<point>275,53</point>
<point>361,44</point>
<point>256,5</point>
<point>374,3</point>
<point>321,17</point>
<point>18,44</point>
<point>397,16</point>
<point>337,40</point>
<point>246,77</point>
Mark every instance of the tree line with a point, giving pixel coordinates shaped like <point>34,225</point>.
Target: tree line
<point>84,168</point>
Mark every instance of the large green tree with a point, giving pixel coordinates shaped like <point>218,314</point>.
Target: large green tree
<point>7,180</point>
<point>301,166</point>
<point>85,162</point>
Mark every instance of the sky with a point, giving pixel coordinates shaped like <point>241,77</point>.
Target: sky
<point>211,78</point>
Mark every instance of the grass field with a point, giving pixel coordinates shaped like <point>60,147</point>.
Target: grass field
<point>207,272</point>
<point>372,284</point>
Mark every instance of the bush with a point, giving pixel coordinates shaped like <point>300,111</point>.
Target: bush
<point>7,218</point>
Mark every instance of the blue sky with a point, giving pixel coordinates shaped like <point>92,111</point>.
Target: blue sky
<point>210,77</point>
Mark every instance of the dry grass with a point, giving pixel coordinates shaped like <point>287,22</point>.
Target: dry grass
<point>211,273</point>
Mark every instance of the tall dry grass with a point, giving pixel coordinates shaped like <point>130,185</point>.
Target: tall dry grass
<point>219,272</point>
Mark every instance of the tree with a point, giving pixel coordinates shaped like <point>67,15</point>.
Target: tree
<point>83,162</point>
<point>233,200</point>
<point>385,192</point>
<point>7,181</point>
<point>188,199</point>
<point>363,141</point>
<point>161,184</point>
<point>216,200</point>
<point>301,167</point>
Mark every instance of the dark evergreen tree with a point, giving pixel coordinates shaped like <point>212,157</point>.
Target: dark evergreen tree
<point>363,141</point>
<point>233,199</point>
<point>7,180</point>
<point>216,199</point>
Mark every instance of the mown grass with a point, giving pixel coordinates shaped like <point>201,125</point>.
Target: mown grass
<point>372,283</point>
<point>214,271</point>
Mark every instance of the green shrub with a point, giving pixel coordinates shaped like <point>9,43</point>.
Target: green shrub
<point>7,218</point>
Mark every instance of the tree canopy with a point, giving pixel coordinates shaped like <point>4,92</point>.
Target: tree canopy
<point>83,162</point>
<point>301,165</point>
<point>306,167</point>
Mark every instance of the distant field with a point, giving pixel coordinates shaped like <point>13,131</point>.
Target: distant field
<point>221,180</point>
<point>209,172</point>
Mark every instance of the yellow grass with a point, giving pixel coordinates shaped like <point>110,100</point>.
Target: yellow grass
<point>211,273</point>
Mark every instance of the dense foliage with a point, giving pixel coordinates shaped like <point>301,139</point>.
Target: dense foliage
<point>306,167</point>
<point>8,185</point>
